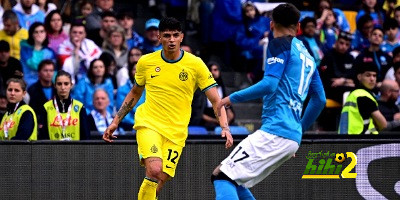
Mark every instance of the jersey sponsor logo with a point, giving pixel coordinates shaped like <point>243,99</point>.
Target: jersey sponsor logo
<point>68,136</point>
<point>273,60</point>
<point>157,69</point>
<point>183,76</point>
<point>295,105</point>
<point>152,76</point>
<point>9,124</point>
<point>71,122</point>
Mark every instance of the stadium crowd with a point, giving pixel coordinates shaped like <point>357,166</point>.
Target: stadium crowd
<point>78,60</point>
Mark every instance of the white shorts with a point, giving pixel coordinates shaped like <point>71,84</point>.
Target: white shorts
<point>257,156</point>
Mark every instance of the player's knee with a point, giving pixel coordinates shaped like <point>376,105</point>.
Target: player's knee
<point>154,171</point>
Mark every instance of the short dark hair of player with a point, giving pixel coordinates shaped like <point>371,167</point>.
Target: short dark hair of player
<point>286,15</point>
<point>63,73</point>
<point>170,24</point>
<point>17,80</point>
<point>390,23</point>
<point>346,36</point>
<point>307,20</point>
<point>46,62</point>
<point>108,14</point>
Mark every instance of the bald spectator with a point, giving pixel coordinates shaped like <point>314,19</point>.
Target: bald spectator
<point>28,13</point>
<point>13,33</point>
<point>151,41</point>
<point>387,104</point>
<point>99,118</point>
<point>93,20</point>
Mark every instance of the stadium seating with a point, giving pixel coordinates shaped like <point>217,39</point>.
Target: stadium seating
<point>235,130</point>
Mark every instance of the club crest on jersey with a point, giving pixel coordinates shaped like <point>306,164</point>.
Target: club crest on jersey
<point>76,108</point>
<point>157,69</point>
<point>183,76</point>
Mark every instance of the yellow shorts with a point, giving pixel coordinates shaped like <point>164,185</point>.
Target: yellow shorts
<point>153,144</point>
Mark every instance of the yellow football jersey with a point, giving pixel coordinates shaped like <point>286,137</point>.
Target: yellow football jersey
<point>170,86</point>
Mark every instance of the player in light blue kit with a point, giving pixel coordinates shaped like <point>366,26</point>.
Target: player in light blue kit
<point>290,75</point>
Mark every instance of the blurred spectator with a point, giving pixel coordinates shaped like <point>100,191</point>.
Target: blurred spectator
<point>99,118</point>
<point>4,5</point>
<point>396,68</point>
<point>389,6</point>
<point>129,120</point>
<point>76,53</point>
<point>397,14</point>
<point>3,103</point>
<point>360,114</point>
<point>341,19</point>
<point>210,121</point>
<point>43,90</point>
<point>93,20</point>
<point>127,21</point>
<point>251,37</point>
<point>396,58</point>
<point>115,44</point>
<point>65,118</point>
<point>10,67</point>
<point>108,19</point>
<point>370,7</point>
<point>364,29</point>
<point>111,68</point>
<point>19,122</point>
<point>33,51</point>
<point>387,100</point>
<point>28,13</point>
<point>123,73</point>
<point>387,104</point>
<point>336,69</point>
<point>54,28</point>
<point>85,8</point>
<point>328,29</point>
<point>374,54</point>
<point>13,33</point>
<point>46,6</point>
<point>96,78</point>
<point>310,40</point>
<point>391,29</point>
<point>177,9</point>
<point>225,21</point>
<point>151,42</point>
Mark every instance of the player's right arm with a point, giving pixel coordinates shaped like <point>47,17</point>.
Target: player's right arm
<point>130,101</point>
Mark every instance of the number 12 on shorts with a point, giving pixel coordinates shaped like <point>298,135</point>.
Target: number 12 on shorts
<point>241,156</point>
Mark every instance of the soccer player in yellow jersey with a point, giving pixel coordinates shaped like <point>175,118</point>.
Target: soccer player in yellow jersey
<point>170,77</point>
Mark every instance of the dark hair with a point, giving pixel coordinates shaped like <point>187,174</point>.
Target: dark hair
<point>32,28</point>
<point>170,23</point>
<point>90,74</point>
<point>286,15</point>
<point>108,14</point>
<point>377,9</point>
<point>396,66</point>
<point>125,13</point>
<point>363,20</point>
<point>390,23</point>
<point>10,15</point>
<point>345,35</point>
<point>397,9</point>
<point>317,12</point>
<point>63,73</point>
<point>17,80</point>
<point>219,80</point>
<point>77,24</point>
<point>378,28</point>
<point>396,51</point>
<point>307,20</point>
<point>46,4</point>
<point>47,21</point>
<point>131,65</point>
<point>83,3</point>
<point>46,62</point>
<point>107,59</point>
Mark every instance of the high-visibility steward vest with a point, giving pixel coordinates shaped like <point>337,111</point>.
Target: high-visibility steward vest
<point>72,129</point>
<point>13,123</point>
<point>351,121</point>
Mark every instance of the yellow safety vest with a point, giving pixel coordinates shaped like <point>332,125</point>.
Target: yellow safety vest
<point>13,121</point>
<point>351,121</point>
<point>72,129</point>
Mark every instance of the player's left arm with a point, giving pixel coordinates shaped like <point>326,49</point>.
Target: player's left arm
<point>213,96</point>
<point>317,102</point>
